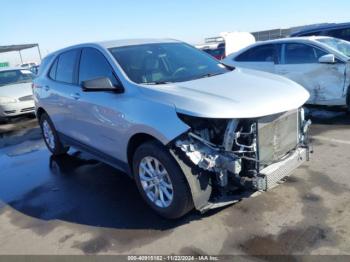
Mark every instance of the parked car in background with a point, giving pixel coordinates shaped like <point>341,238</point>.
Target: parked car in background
<point>226,44</point>
<point>320,64</point>
<point>34,69</point>
<point>28,65</point>
<point>216,50</point>
<point>16,96</point>
<point>187,128</point>
<point>341,31</point>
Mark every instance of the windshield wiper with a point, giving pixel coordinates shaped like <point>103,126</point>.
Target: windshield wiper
<point>157,83</point>
<point>209,75</point>
<point>231,68</point>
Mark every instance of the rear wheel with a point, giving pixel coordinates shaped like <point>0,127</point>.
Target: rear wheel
<point>160,181</point>
<point>50,136</point>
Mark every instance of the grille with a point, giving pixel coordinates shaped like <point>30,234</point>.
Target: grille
<point>26,98</point>
<point>277,136</point>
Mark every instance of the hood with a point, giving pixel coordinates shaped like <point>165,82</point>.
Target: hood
<point>242,93</point>
<point>16,90</point>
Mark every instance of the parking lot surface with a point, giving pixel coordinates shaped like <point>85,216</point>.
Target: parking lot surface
<point>77,205</point>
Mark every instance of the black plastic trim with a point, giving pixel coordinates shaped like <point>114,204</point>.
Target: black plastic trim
<point>103,157</point>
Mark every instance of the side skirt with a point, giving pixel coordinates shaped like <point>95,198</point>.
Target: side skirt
<point>103,157</point>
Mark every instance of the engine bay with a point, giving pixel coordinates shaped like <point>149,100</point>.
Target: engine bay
<point>236,150</point>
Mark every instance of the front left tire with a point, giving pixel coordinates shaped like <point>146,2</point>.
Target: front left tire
<point>51,137</point>
<point>161,181</point>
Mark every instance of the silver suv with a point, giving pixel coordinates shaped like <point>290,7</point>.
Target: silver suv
<point>189,130</point>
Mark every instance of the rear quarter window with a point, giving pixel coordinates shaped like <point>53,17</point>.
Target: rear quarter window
<point>53,69</point>
<point>44,64</point>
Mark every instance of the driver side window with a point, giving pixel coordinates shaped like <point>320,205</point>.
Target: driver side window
<point>94,65</point>
<point>296,53</point>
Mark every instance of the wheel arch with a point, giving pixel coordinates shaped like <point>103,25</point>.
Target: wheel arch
<point>135,141</point>
<point>199,183</point>
<point>39,112</point>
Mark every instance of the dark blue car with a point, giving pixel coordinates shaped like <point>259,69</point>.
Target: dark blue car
<point>341,31</point>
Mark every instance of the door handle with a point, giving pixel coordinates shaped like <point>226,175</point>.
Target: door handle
<point>47,88</point>
<point>75,96</point>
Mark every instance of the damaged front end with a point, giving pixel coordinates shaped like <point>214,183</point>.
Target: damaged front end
<point>250,154</point>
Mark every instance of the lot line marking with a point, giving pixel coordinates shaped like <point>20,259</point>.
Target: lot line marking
<point>323,138</point>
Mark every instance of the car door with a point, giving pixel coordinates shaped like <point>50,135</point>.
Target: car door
<point>58,92</point>
<point>97,114</point>
<point>325,82</point>
<point>262,57</point>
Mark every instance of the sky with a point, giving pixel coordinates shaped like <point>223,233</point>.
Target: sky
<point>55,24</point>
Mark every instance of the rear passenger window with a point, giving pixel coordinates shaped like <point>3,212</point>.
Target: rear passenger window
<point>66,66</point>
<point>264,53</point>
<point>94,65</point>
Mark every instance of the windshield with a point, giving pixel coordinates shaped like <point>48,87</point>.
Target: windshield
<point>337,44</point>
<point>15,76</point>
<point>166,62</point>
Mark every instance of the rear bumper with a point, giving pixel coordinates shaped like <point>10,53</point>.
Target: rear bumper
<point>16,109</point>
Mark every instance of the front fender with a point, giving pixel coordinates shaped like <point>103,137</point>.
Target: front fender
<point>155,119</point>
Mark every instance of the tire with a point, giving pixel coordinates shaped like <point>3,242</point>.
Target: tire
<point>170,174</point>
<point>50,136</point>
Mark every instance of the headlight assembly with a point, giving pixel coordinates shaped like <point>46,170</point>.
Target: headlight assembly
<point>7,100</point>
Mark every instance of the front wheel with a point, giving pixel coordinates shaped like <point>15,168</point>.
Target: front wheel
<point>160,181</point>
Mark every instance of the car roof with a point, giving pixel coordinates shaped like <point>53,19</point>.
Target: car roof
<point>293,39</point>
<point>319,27</point>
<point>129,42</point>
<point>116,43</point>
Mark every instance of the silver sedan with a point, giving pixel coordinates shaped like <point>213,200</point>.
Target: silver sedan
<point>16,95</point>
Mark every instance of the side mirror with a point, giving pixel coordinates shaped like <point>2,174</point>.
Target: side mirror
<point>101,84</point>
<point>327,59</point>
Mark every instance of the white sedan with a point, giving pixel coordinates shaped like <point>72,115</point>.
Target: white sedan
<point>16,95</point>
<point>320,64</point>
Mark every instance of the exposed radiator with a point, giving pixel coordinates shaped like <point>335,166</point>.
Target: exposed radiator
<point>277,136</point>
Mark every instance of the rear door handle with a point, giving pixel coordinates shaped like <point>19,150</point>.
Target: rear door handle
<point>75,96</point>
<point>47,88</point>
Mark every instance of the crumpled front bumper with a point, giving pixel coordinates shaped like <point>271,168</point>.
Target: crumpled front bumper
<point>269,177</point>
<point>272,175</point>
